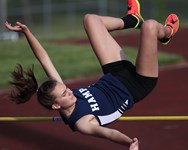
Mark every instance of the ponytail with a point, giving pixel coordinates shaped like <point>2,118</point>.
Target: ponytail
<point>25,84</point>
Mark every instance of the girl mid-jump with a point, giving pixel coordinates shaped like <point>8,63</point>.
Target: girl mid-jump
<point>89,109</point>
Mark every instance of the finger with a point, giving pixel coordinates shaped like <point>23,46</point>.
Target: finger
<point>20,24</point>
<point>7,24</point>
<point>135,139</point>
<point>16,26</point>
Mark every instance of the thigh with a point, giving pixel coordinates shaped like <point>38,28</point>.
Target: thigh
<point>106,48</point>
<point>147,58</point>
<point>104,45</point>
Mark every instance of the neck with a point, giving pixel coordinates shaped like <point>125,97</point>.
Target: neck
<point>67,111</point>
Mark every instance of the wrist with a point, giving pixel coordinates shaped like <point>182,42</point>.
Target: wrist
<point>26,31</point>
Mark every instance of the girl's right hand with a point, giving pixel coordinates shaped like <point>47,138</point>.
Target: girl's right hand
<point>134,145</point>
<point>19,27</point>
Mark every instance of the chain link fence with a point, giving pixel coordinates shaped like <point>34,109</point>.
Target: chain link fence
<point>51,15</point>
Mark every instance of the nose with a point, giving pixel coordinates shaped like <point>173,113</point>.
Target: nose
<point>70,92</point>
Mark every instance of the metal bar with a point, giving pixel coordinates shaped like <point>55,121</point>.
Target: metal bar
<point>123,118</point>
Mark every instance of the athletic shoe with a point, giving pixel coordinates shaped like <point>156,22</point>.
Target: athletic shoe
<point>134,10</point>
<point>172,22</point>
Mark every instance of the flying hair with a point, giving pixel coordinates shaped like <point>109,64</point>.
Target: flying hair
<point>24,83</point>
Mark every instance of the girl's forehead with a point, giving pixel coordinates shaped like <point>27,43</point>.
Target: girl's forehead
<point>60,87</point>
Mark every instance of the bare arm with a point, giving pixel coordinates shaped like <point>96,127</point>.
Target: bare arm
<point>37,49</point>
<point>88,128</point>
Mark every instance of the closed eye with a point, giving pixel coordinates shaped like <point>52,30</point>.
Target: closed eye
<point>64,93</point>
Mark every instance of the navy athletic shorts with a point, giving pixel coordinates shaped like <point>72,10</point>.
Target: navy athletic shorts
<point>138,85</point>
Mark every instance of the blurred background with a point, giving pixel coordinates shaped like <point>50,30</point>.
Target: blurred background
<point>53,21</point>
<point>52,17</point>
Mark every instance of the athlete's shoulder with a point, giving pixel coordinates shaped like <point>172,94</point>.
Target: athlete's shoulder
<point>88,120</point>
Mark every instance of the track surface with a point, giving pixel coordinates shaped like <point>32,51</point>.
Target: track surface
<point>169,98</point>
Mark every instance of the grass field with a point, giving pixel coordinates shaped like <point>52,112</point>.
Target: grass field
<point>71,61</point>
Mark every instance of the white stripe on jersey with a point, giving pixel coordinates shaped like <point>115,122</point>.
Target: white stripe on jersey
<point>109,118</point>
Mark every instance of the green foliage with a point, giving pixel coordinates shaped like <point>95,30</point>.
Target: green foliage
<point>71,61</point>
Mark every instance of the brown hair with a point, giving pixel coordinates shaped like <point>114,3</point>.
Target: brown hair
<point>25,85</point>
<point>44,95</point>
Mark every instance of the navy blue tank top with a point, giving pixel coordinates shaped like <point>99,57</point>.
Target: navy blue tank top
<point>107,100</point>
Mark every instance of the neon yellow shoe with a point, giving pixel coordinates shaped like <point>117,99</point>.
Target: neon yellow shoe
<point>172,22</point>
<point>134,10</point>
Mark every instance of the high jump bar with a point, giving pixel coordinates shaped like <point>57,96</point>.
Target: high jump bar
<point>123,118</point>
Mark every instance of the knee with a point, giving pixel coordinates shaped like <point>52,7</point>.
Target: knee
<point>150,26</point>
<point>90,19</point>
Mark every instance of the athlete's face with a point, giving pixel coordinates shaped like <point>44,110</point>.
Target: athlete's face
<point>64,96</point>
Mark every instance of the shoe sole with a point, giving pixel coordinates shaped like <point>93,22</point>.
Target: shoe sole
<point>139,10</point>
<point>173,31</point>
<point>138,16</point>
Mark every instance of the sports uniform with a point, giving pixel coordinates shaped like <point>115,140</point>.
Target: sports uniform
<point>112,95</point>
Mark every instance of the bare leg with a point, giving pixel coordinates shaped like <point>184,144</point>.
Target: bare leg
<point>147,59</point>
<point>108,50</point>
<point>103,44</point>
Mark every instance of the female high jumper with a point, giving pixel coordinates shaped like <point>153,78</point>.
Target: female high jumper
<point>89,109</point>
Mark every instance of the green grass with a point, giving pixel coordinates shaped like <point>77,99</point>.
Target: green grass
<point>71,61</point>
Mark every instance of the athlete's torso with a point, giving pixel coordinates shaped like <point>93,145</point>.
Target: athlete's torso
<point>106,100</point>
